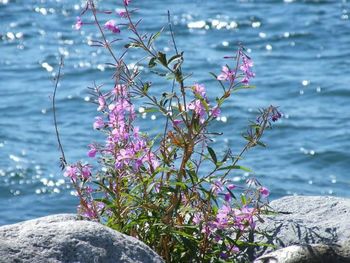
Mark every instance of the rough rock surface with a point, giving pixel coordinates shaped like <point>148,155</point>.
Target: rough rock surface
<point>320,225</point>
<point>315,253</point>
<point>64,239</point>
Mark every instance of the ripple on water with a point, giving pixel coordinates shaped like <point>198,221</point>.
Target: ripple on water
<point>298,67</point>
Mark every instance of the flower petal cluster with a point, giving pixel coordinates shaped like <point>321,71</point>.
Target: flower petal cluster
<point>226,74</point>
<point>78,24</point>
<point>127,148</point>
<point>201,106</point>
<point>112,26</point>
<point>78,172</point>
<point>246,68</point>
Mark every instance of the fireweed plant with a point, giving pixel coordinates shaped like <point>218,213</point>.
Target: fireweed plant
<point>156,189</point>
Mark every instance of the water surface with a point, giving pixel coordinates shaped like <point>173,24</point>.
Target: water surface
<point>302,64</point>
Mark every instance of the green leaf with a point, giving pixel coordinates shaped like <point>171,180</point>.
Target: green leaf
<point>261,144</point>
<point>162,59</point>
<point>154,37</point>
<point>231,167</point>
<point>152,109</point>
<point>170,76</point>
<point>133,45</point>
<point>227,154</point>
<point>212,155</point>
<point>159,73</point>
<point>152,62</point>
<point>146,87</point>
<point>181,184</point>
<point>175,57</point>
<point>243,199</point>
<point>106,189</point>
<point>244,87</point>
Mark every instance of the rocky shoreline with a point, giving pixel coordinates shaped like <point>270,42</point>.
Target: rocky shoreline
<point>307,229</point>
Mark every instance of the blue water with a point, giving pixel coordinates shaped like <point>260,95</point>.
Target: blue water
<point>301,51</point>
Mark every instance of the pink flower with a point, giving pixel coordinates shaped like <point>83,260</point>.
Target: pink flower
<point>99,123</point>
<point>176,122</point>
<point>89,189</point>
<point>102,103</point>
<point>222,217</point>
<point>234,250</point>
<point>122,13</point>
<point>244,217</point>
<point>92,152</point>
<point>78,24</point>
<point>86,171</point>
<point>217,187</point>
<point>198,108</point>
<point>120,90</point>
<point>71,172</point>
<point>228,195</point>
<point>226,74</point>
<point>246,66</point>
<point>126,2</point>
<point>197,218</point>
<point>231,186</point>
<point>111,26</point>
<point>215,112</point>
<point>264,192</point>
<point>199,90</point>
<point>157,187</point>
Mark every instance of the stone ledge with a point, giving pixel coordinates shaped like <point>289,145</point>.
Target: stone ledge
<point>311,227</point>
<point>64,239</point>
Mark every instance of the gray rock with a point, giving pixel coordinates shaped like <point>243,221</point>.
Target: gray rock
<point>318,224</point>
<point>64,239</point>
<point>304,254</point>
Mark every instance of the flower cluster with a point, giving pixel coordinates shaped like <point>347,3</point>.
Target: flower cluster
<point>171,191</point>
<point>245,67</point>
<point>78,172</point>
<point>124,143</point>
<point>201,106</point>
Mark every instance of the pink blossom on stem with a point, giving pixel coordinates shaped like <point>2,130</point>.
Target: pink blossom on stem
<point>228,197</point>
<point>231,186</point>
<point>86,171</point>
<point>99,123</point>
<point>217,187</point>
<point>244,217</point>
<point>78,24</point>
<point>71,172</point>
<point>111,26</point>
<point>89,189</point>
<point>215,112</point>
<point>126,2</point>
<point>102,103</point>
<point>157,187</point>
<point>264,192</point>
<point>222,217</point>
<point>198,108</point>
<point>226,74</point>
<point>234,250</point>
<point>199,90</point>
<point>92,152</point>
<point>176,122</point>
<point>246,66</point>
<point>197,218</point>
<point>120,90</point>
<point>122,13</point>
